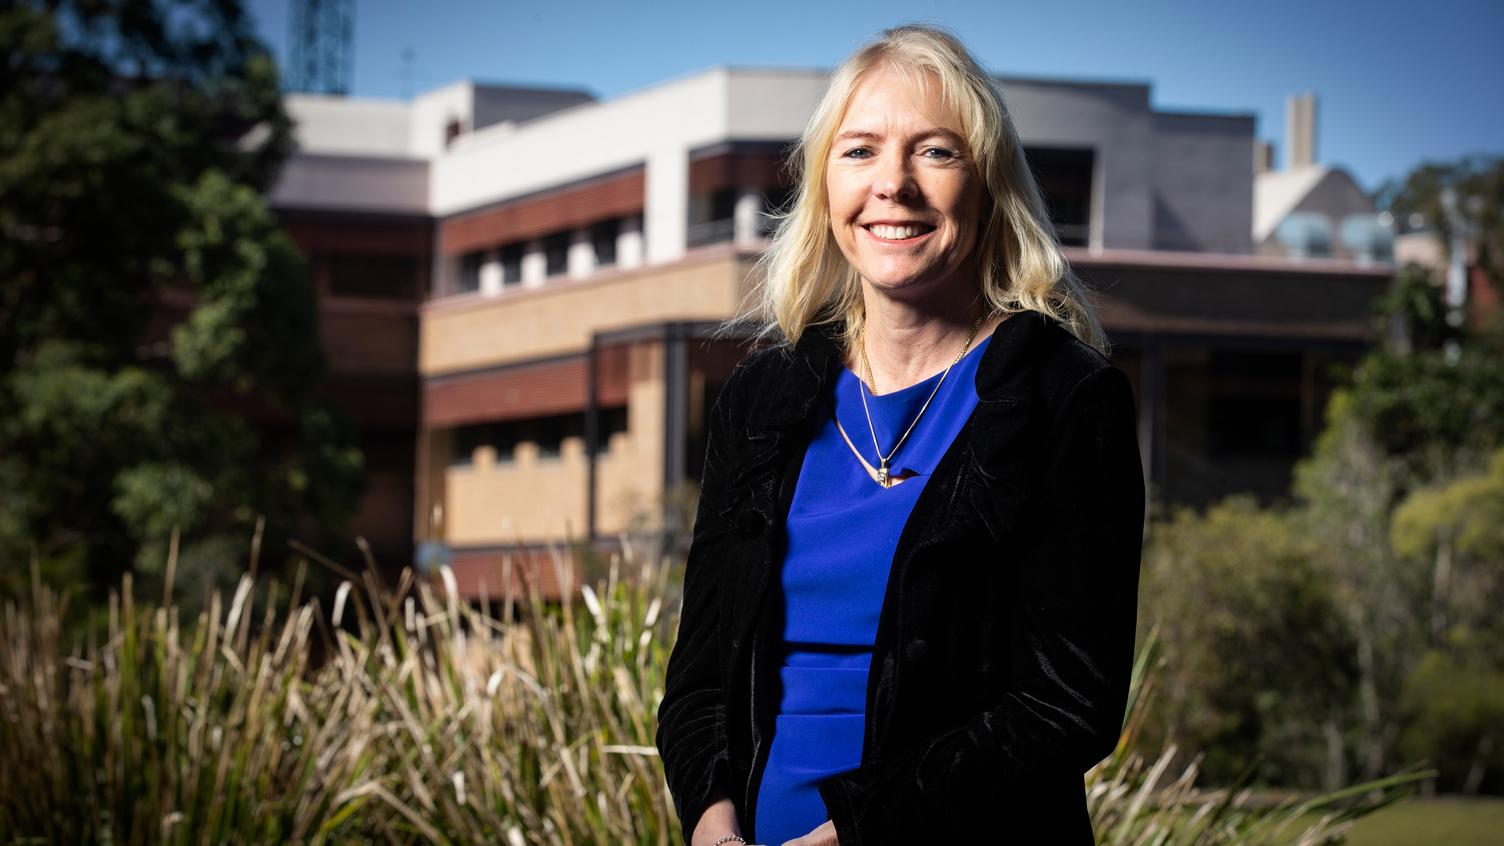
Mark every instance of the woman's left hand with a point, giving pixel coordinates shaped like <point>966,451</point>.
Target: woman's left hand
<point>825,835</point>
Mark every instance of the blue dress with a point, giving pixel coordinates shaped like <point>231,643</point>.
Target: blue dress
<point>841,534</point>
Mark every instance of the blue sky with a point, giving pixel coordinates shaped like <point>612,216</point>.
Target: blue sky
<point>1398,83</point>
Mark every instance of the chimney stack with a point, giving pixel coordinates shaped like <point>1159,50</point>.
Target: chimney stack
<point>1263,156</point>
<point>1300,131</point>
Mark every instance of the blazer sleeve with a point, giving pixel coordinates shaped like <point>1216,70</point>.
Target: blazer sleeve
<point>1074,613</point>
<point>691,733</point>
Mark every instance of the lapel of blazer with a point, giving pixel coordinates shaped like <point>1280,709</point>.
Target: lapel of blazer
<point>983,478</point>
<point>981,481</point>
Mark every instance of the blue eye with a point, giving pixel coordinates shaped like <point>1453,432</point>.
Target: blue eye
<point>857,153</point>
<point>937,153</point>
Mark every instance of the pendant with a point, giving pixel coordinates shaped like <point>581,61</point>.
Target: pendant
<point>882,475</point>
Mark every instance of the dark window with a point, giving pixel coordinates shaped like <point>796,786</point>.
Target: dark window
<point>1254,406</point>
<point>511,264</point>
<point>612,421</point>
<point>603,236</point>
<point>470,271</point>
<point>723,204</point>
<point>548,433</point>
<point>556,249</point>
<point>713,218</point>
<point>377,277</point>
<point>1064,179</point>
<point>501,437</point>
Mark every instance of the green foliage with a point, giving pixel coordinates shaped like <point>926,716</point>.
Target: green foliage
<point>1432,393</point>
<point>256,327</point>
<point>431,722</point>
<point>149,303</point>
<point>1454,697</point>
<point>1135,800</point>
<point>1478,182</point>
<point>1263,658</point>
<point>1468,513</point>
<point>1455,711</point>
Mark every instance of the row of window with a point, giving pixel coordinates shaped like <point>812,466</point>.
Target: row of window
<point>712,219</point>
<point>713,216</point>
<point>1363,237</point>
<point>546,433</point>
<point>555,248</point>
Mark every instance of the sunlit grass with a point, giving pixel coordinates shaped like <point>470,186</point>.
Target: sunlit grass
<point>1454,821</point>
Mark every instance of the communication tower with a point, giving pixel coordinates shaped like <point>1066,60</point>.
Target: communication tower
<point>320,46</point>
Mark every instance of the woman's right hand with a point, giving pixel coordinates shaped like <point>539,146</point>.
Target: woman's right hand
<point>718,820</point>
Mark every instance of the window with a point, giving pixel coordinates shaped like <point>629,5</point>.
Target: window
<point>375,277</point>
<point>511,264</point>
<point>1254,407</point>
<point>549,433</point>
<point>470,272</point>
<point>603,237</point>
<point>611,421</point>
<point>501,437</point>
<point>556,251</point>
<point>712,218</point>
<point>1064,178</point>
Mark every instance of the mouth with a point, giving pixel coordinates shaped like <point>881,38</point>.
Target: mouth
<point>903,232</point>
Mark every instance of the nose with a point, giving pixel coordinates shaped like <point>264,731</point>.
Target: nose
<point>894,179</point>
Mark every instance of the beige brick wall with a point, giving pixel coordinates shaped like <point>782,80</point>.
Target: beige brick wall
<point>532,500</point>
<point>561,317</point>
<point>529,500</point>
<point>629,482</point>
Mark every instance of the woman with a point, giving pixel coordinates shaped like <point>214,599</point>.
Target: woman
<point>909,603</point>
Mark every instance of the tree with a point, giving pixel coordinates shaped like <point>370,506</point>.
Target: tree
<point>1260,659</point>
<point>150,307</point>
<point>1431,394</point>
<point>1477,183</point>
<point>1455,697</point>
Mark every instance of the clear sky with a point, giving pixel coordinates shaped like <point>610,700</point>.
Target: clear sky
<point>1398,83</point>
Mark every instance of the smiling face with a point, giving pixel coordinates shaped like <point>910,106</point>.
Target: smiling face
<point>904,198</point>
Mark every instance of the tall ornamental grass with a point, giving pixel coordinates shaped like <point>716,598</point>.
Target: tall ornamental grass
<point>428,721</point>
<point>405,716</point>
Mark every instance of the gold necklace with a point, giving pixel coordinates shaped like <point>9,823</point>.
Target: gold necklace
<point>882,477</point>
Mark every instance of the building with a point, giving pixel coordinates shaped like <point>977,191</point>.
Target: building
<point>546,280</point>
<point>355,199</point>
<point>1307,210</point>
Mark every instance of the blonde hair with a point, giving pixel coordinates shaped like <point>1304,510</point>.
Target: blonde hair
<point>806,278</point>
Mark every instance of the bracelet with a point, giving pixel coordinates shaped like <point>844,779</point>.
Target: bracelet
<point>728,838</point>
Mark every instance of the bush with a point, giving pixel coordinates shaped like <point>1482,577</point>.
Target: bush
<point>1262,666</point>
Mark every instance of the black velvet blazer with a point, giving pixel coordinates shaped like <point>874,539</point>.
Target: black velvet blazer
<point>1005,641</point>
